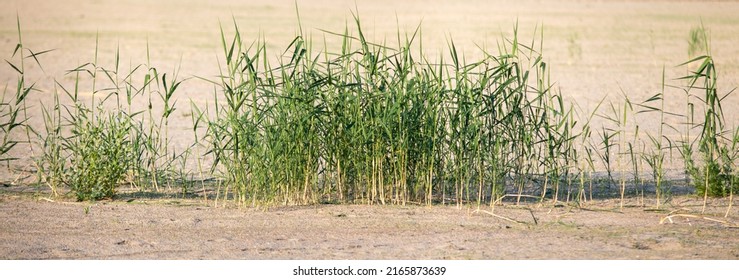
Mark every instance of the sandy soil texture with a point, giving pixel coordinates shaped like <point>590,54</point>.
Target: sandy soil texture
<point>141,228</point>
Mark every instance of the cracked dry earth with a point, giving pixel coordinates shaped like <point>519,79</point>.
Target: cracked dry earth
<point>39,228</point>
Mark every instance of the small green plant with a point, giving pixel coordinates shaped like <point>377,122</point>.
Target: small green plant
<point>584,157</point>
<point>53,162</point>
<point>10,120</point>
<point>713,176</point>
<point>573,46</point>
<point>697,41</point>
<point>655,157</point>
<point>99,152</point>
<point>13,108</point>
<point>91,148</point>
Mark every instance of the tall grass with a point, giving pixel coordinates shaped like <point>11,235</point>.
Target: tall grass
<point>93,140</point>
<point>369,122</point>
<point>376,124</point>
<point>716,176</point>
<point>655,157</point>
<point>13,106</point>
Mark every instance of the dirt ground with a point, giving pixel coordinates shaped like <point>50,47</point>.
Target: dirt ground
<point>594,50</point>
<point>35,227</point>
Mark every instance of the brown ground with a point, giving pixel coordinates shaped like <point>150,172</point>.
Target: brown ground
<point>594,49</point>
<point>34,227</point>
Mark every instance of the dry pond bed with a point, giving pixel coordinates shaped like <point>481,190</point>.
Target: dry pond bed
<point>35,227</point>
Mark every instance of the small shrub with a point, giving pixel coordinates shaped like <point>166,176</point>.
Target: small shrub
<point>100,149</point>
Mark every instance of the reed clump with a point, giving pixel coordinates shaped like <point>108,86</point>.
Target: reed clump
<point>714,174</point>
<point>380,124</point>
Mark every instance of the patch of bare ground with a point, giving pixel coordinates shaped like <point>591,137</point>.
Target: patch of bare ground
<point>34,227</point>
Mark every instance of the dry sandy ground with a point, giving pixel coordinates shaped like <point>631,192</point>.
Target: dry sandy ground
<point>594,49</point>
<point>36,228</point>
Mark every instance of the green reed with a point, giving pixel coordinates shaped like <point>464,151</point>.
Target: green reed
<point>368,122</point>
